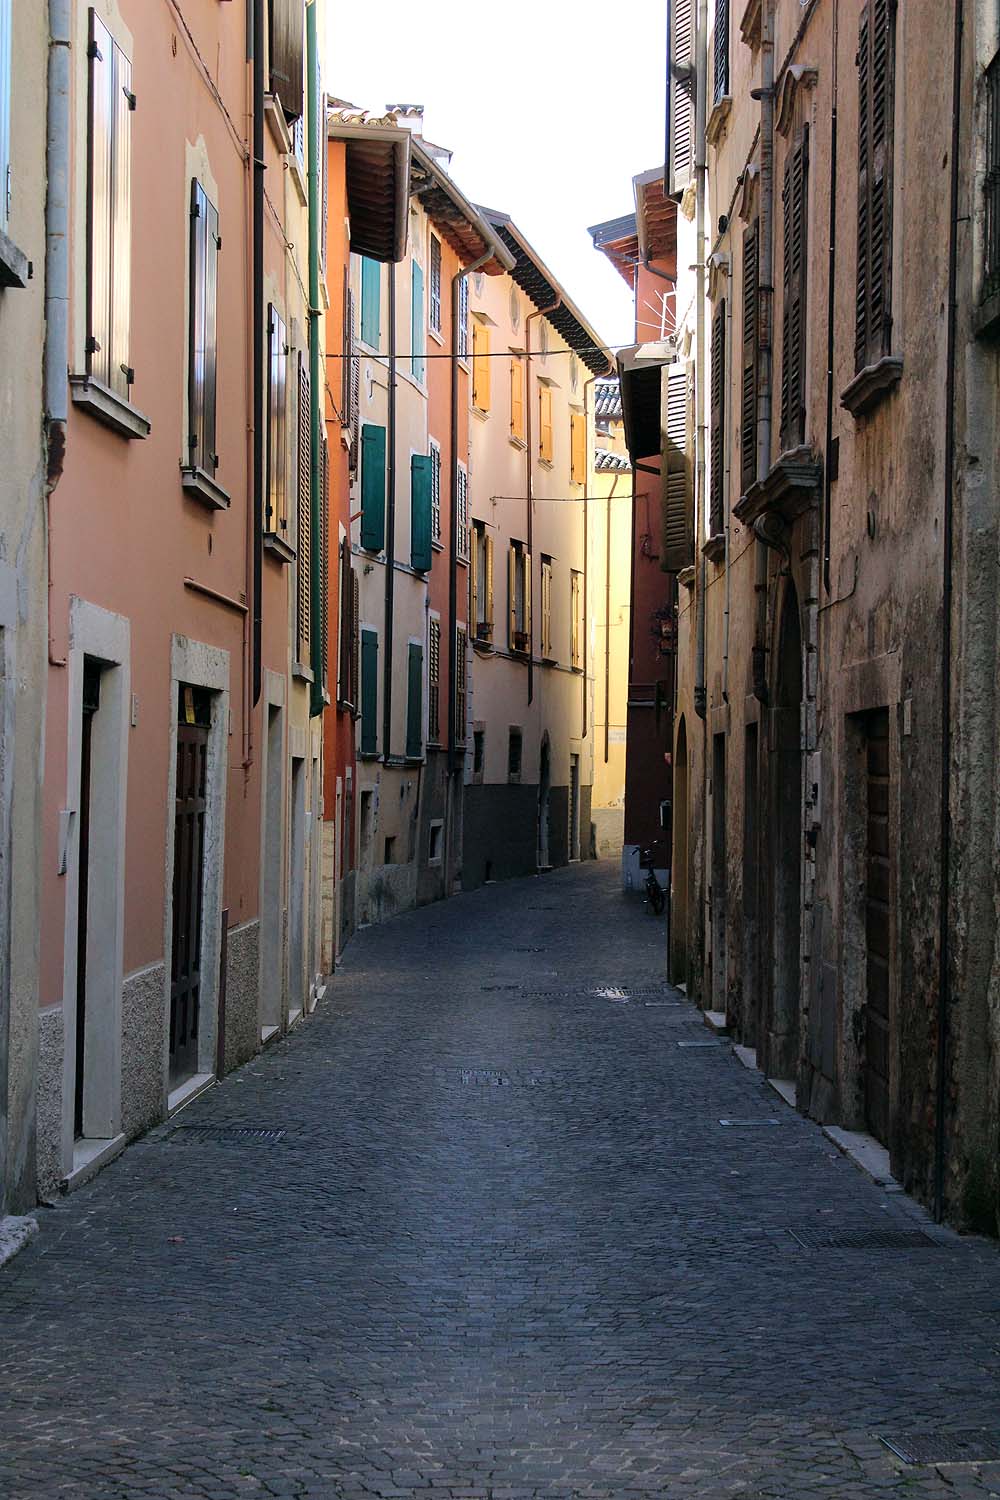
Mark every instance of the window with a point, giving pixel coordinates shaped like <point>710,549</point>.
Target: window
<point>372,487</point>
<point>795,195</point>
<point>277,426</point>
<point>109,213</point>
<point>5,86</point>
<point>677,542</point>
<point>462,519</point>
<point>435,455</point>
<point>461,682</point>
<point>514,745</point>
<point>481,582</point>
<point>721,49</point>
<point>415,702</point>
<point>545,423</point>
<point>369,692</point>
<point>876,68</point>
<point>463,318</point>
<point>480,367</point>
<point>577,622</point>
<point>517,399</point>
<point>286,53</point>
<point>748,392</point>
<point>202,344</point>
<point>421,551</point>
<point>436,842</point>
<point>347,697</point>
<point>546,592</point>
<point>478,751</point>
<point>418,364</point>
<point>435,299</point>
<point>578,448</point>
<point>519,597</point>
<point>717,424</point>
<point>303,613</point>
<point>434,679</point>
<point>371,302</point>
<point>680,95</point>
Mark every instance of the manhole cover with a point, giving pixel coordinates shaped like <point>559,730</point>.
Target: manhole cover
<point>748,1123</point>
<point>228,1134</point>
<point>945,1447</point>
<point>864,1239</point>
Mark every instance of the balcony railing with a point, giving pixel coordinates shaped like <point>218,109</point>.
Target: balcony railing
<point>991,184</point>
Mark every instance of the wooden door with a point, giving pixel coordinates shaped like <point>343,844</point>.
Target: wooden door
<point>189,869</point>
<point>91,703</point>
<point>877,925</point>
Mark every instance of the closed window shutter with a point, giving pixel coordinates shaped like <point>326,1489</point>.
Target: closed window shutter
<point>578,447</point>
<point>417,363</point>
<point>5,81</point>
<point>876,87</point>
<point>748,393</point>
<point>717,426</point>
<point>355,642</point>
<point>346,696</point>
<point>463,318</point>
<point>420,512</point>
<point>517,399</point>
<point>461,683</point>
<point>109,230</point>
<point>721,49</point>
<point>680,95</point>
<point>526,565</point>
<point>793,330</point>
<point>546,608</point>
<point>435,289</point>
<point>350,395</point>
<point>202,330</point>
<point>545,423</point>
<point>435,457</point>
<point>322,624</point>
<point>677,543</point>
<point>121,228</point>
<point>489,586</point>
<point>415,702</point>
<point>277,462</point>
<point>303,612</point>
<point>371,299</point>
<point>286,53</point>
<point>434,680</point>
<point>369,692</point>
<point>512,597</point>
<point>480,367</point>
<point>372,487</point>
<point>462,520</point>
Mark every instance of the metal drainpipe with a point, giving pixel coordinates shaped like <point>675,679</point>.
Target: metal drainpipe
<point>726,475</point>
<point>607,615</point>
<point>257,278</point>
<point>318,628</point>
<point>539,312</point>
<point>57,239</point>
<point>588,386</point>
<point>701,184</point>
<point>454,760</point>
<point>944,941</point>
<point>390,527</point>
<point>765,277</point>
<point>831,282</point>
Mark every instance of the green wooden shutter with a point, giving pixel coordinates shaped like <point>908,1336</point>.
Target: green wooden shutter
<point>415,702</point>
<point>677,422</point>
<point>417,361</point>
<point>369,692</point>
<point>371,296</point>
<point>372,487</point>
<point>420,512</point>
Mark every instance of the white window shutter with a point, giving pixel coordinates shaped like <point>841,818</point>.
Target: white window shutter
<point>680,95</point>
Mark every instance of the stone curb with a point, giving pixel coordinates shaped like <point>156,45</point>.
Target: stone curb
<point>14,1235</point>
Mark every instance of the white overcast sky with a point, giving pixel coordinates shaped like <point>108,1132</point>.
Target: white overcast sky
<point>550,108</point>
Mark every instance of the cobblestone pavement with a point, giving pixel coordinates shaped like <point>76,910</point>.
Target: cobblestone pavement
<point>506,1247</point>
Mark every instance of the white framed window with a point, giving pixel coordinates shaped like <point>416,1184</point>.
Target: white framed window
<point>463,318</point>
<point>434,302</point>
<point>462,518</point>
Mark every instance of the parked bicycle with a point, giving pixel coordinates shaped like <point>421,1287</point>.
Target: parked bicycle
<point>654,894</point>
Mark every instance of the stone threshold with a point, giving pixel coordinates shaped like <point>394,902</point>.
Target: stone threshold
<point>185,1093</point>
<point>15,1232</point>
<point>89,1156</point>
<point>868,1154</point>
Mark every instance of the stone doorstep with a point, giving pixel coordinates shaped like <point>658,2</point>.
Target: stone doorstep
<point>715,1020</point>
<point>15,1233</point>
<point>865,1152</point>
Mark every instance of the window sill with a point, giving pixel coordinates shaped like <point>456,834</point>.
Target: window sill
<point>301,672</point>
<point>15,267</point>
<point>872,384</point>
<point>513,778</point>
<point>415,759</point>
<point>686,577</point>
<point>715,548</point>
<point>298,177</point>
<point>377,553</point>
<point>485,647</point>
<point>517,442</point>
<point>548,660</point>
<point>278,547</point>
<point>107,406</point>
<point>435,334</point>
<point>202,487</point>
<point>480,412</point>
<point>277,124</point>
<point>986,319</point>
<point>437,545</point>
<point>545,463</point>
<point>368,755</point>
<point>715,130</point>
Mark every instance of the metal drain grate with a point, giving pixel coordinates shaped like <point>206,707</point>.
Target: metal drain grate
<point>864,1239</point>
<point>611,992</point>
<point>945,1447</point>
<point>746,1124</point>
<point>489,1076</point>
<point>229,1134</point>
<point>489,989</point>
<point>699,1044</point>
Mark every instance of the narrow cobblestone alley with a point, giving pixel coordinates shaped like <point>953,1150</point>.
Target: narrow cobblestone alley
<point>517,1237</point>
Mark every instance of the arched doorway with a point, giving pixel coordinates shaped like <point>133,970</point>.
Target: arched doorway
<point>544,789</point>
<point>678,934</point>
<point>786,844</point>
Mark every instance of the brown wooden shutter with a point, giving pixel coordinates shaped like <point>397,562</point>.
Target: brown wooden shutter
<point>677,503</point>
<point>717,426</point>
<point>876,87</point>
<point>461,683</point>
<point>680,95</point>
<point>793,331</point>
<point>748,394</point>
<point>721,58</point>
<point>303,613</point>
<point>286,52</point>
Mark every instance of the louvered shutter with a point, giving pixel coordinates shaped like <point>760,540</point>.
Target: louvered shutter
<point>417,363</point>
<point>517,399</point>
<point>680,95</point>
<point>355,642</point>
<point>372,487</point>
<point>677,542</point>
<point>462,537</point>
<point>434,680</point>
<point>277,444</point>
<point>202,332</point>
<point>721,58</point>
<point>369,692</point>
<point>545,423</point>
<point>717,424</point>
<point>461,683</point>
<point>748,391</point>
<point>347,687</point>
<point>322,624</point>
<point>350,395</point>
<point>876,87</point>
<point>286,51</point>
<point>480,367</point>
<point>793,331</point>
<point>511,596</point>
<point>303,614</point>
<point>420,512</point>
<point>526,563</point>
<point>489,586</point>
<point>578,447</point>
<point>371,302</point>
<point>415,702</point>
